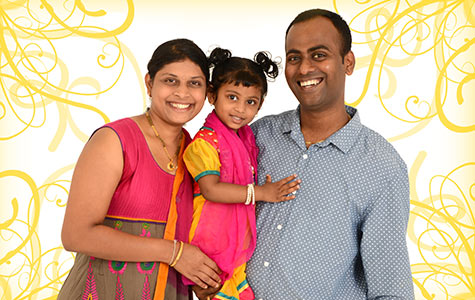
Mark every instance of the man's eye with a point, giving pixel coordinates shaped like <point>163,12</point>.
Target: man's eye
<point>319,55</point>
<point>293,58</point>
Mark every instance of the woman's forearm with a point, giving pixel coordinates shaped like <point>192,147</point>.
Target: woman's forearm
<point>107,243</point>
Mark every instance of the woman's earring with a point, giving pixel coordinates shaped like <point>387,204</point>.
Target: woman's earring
<point>150,98</point>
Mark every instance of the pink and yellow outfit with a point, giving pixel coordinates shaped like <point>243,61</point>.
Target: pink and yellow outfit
<point>224,232</point>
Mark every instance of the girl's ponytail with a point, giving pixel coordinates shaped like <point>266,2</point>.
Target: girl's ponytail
<point>218,56</point>
<point>269,67</point>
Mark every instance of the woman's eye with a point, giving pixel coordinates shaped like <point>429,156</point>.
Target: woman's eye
<point>195,83</point>
<point>170,80</point>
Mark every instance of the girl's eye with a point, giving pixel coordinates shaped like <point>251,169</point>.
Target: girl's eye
<point>251,102</point>
<point>232,97</point>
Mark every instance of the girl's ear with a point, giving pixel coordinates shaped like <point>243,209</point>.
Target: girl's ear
<point>260,103</point>
<point>211,96</point>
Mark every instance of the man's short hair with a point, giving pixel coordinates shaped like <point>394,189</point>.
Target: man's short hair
<point>335,18</point>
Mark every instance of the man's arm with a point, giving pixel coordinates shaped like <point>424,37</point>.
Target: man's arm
<point>383,243</point>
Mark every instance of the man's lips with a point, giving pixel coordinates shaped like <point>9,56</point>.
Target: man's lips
<point>310,82</point>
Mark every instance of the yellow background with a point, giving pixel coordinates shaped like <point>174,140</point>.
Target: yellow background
<point>67,67</point>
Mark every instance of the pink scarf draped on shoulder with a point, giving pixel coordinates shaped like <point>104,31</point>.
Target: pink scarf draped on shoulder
<point>227,232</point>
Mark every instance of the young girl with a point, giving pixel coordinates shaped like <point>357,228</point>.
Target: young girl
<point>222,160</point>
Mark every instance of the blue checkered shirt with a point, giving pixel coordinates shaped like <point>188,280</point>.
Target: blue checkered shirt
<point>344,235</point>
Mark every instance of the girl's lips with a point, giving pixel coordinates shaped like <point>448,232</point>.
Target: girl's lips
<point>237,120</point>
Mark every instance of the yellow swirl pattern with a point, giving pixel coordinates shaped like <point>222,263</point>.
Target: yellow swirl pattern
<point>416,63</point>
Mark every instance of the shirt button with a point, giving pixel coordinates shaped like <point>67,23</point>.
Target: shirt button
<point>305,156</point>
<point>279,227</point>
<point>266,264</point>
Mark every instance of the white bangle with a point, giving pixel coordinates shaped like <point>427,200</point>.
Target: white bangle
<point>250,192</point>
<point>173,253</point>
<point>253,195</point>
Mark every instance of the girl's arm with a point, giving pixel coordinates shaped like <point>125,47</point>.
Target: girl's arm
<point>95,179</point>
<point>214,190</point>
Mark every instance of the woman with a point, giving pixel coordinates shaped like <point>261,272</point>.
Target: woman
<point>130,202</point>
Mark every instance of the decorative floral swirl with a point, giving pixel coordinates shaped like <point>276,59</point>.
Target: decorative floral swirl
<point>32,75</point>
<point>37,271</point>
<point>442,227</point>
<point>414,32</point>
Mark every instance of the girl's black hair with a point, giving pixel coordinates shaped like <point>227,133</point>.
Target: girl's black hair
<point>174,51</point>
<point>228,69</point>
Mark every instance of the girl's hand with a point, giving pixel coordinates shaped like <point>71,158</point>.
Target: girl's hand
<point>198,267</point>
<point>278,191</point>
<point>205,294</point>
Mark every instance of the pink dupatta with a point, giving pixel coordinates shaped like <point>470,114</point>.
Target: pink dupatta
<point>227,232</point>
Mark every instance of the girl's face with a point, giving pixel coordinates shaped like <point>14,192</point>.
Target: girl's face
<point>178,92</point>
<point>236,106</point>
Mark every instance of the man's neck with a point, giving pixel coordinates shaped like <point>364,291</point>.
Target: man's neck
<point>318,125</point>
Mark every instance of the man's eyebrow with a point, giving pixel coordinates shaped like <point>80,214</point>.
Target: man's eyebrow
<point>314,48</point>
<point>292,51</point>
<point>318,47</point>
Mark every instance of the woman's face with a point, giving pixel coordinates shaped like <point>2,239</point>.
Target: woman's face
<point>178,92</point>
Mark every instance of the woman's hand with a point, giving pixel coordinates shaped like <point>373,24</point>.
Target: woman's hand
<point>205,294</point>
<point>277,191</point>
<point>199,268</point>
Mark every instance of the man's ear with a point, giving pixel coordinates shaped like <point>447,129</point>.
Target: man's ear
<point>349,61</point>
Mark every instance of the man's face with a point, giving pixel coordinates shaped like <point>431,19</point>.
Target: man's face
<point>314,68</point>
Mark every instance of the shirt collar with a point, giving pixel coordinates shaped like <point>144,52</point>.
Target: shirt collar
<point>343,139</point>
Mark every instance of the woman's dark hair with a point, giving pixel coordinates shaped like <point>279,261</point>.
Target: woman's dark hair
<point>337,21</point>
<point>228,69</point>
<point>174,51</point>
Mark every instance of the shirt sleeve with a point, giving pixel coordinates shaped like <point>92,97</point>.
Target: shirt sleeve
<point>201,159</point>
<point>383,243</point>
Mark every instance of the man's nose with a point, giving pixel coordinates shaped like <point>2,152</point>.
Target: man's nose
<point>307,66</point>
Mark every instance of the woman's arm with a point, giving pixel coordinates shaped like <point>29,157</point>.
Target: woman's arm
<point>95,179</point>
<point>214,190</point>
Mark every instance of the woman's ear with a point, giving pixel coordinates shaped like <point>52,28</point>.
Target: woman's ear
<point>148,84</point>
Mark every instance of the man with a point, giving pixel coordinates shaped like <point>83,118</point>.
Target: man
<point>344,235</point>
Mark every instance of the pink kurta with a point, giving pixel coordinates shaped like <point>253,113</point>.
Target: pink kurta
<point>140,205</point>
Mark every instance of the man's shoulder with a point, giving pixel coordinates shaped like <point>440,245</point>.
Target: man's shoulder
<point>273,122</point>
<point>378,149</point>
